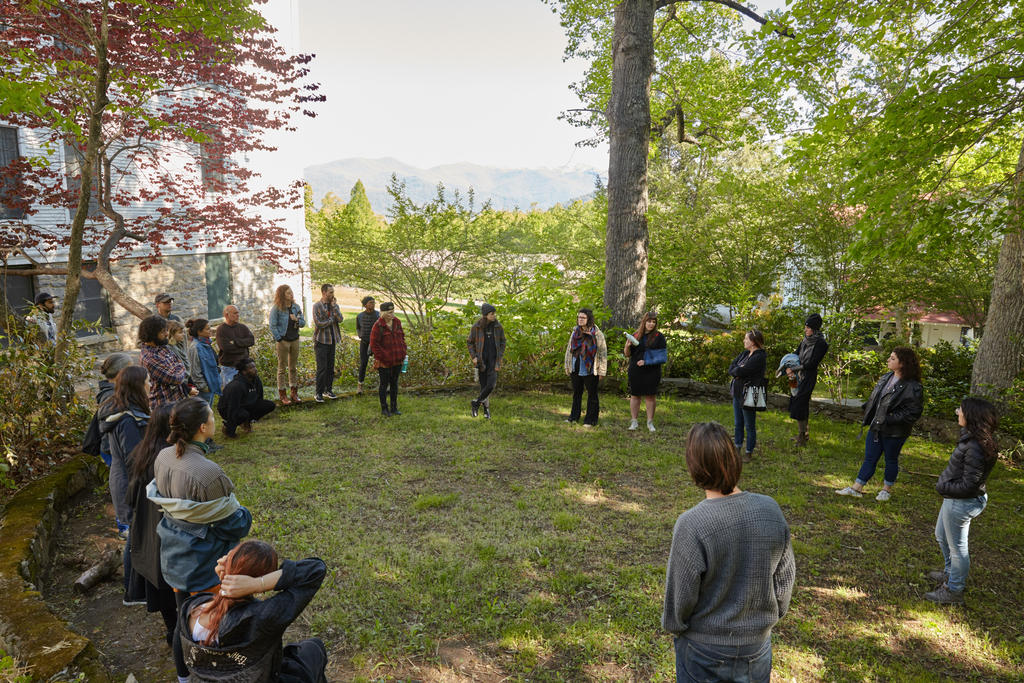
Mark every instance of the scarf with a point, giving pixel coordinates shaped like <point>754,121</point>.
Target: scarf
<point>583,345</point>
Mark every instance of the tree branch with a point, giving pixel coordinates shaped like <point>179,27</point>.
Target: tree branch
<point>746,11</point>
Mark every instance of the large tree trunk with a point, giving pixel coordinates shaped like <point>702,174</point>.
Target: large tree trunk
<point>1001,351</point>
<point>629,118</point>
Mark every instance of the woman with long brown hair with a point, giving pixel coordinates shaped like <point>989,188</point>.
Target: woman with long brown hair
<point>231,633</point>
<point>122,419</point>
<point>747,370</point>
<point>645,368</point>
<point>285,321</point>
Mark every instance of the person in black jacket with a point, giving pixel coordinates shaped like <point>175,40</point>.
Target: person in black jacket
<point>364,323</point>
<point>890,413</point>
<point>747,370</point>
<point>811,350</point>
<point>241,402</point>
<point>232,636</point>
<point>644,376</point>
<point>122,418</point>
<point>962,487</point>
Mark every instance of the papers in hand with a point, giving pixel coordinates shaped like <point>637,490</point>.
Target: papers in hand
<point>632,340</point>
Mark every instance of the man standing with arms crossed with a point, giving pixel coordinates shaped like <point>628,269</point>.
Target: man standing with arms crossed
<point>233,341</point>
<point>326,335</point>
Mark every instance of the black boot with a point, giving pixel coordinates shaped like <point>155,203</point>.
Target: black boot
<point>487,411</point>
<point>395,410</point>
<point>384,411</point>
<point>473,407</point>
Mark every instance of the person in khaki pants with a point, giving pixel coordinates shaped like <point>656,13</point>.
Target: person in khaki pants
<point>285,321</point>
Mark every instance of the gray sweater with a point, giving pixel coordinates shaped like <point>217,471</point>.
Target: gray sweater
<point>730,571</point>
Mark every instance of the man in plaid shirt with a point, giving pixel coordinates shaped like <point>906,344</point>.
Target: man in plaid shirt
<point>167,374</point>
<point>326,335</point>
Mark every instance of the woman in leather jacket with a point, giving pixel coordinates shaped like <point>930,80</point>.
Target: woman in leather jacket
<point>962,487</point>
<point>890,413</point>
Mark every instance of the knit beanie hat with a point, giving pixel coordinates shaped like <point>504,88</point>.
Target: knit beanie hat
<point>487,308</point>
<point>813,321</point>
<point>114,363</point>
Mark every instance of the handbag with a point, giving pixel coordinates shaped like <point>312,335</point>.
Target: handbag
<point>655,356</point>
<point>754,396</point>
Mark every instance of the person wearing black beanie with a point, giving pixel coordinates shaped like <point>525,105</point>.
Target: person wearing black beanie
<point>486,344</point>
<point>811,350</point>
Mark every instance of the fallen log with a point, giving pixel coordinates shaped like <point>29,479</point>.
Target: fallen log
<point>110,560</point>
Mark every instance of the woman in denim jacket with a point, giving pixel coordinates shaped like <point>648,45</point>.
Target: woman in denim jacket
<point>285,321</point>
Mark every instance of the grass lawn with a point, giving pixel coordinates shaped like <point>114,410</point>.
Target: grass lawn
<point>538,549</point>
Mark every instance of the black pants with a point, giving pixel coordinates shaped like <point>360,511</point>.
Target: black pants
<point>588,382</point>
<point>249,413</point>
<point>177,652</point>
<point>364,358</point>
<point>303,662</point>
<point>324,367</point>
<point>488,380</point>
<point>389,383</point>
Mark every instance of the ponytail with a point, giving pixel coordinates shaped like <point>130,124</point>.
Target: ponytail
<point>187,417</point>
<point>194,325</point>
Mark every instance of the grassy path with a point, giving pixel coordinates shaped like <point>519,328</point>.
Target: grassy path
<point>537,549</point>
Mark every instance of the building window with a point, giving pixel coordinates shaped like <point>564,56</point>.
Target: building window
<point>212,163</point>
<point>19,292</point>
<point>73,161</point>
<point>92,307</point>
<point>218,284</point>
<point>9,182</point>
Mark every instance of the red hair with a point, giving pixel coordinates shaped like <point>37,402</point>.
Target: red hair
<point>252,558</point>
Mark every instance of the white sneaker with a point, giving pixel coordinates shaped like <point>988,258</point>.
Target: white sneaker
<point>650,427</point>
<point>633,424</point>
<point>883,496</point>
<point>849,491</point>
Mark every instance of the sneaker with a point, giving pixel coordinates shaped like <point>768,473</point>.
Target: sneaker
<point>123,533</point>
<point>938,576</point>
<point>330,394</point>
<point>650,427</point>
<point>633,424</point>
<point>571,421</point>
<point>943,596</point>
<point>747,456</point>
<point>213,446</point>
<point>850,491</point>
<point>474,408</point>
<point>487,411</point>
<point>132,603</point>
<point>318,398</point>
<point>587,424</point>
<point>883,496</point>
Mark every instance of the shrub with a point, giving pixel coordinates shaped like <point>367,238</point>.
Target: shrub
<point>946,370</point>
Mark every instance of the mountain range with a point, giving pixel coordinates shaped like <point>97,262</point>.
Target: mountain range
<point>506,188</point>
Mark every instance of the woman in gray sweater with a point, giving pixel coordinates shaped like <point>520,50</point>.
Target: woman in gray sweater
<point>730,570</point>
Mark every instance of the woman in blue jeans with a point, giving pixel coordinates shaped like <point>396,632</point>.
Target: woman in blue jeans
<point>747,369</point>
<point>962,487</point>
<point>890,413</point>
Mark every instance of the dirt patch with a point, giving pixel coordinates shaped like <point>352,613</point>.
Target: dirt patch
<point>128,639</point>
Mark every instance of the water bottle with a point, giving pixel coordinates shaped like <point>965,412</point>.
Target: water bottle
<point>405,364</point>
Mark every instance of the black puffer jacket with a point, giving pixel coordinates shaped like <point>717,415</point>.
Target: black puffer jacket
<point>968,468</point>
<point>893,413</point>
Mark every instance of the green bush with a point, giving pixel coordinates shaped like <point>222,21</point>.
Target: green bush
<point>946,370</point>
<point>40,414</point>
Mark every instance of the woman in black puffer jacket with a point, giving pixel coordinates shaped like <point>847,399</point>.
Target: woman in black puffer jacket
<point>895,405</point>
<point>962,487</point>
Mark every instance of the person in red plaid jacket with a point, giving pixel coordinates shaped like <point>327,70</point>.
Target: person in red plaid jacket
<point>167,375</point>
<point>387,342</point>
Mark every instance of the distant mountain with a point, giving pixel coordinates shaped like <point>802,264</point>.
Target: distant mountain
<point>506,188</point>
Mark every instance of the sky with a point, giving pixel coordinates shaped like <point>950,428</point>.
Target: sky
<point>431,82</point>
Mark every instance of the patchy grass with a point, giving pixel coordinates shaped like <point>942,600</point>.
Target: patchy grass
<point>536,550</point>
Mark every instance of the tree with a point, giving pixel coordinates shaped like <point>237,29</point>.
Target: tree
<point>335,224</point>
<point>687,36</point>
<point>929,96</point>
<point>141,88</point>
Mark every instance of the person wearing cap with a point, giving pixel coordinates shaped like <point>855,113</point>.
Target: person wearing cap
<point>42,316</point>
<point>486,349</point>
<point>164,302</point>
<point>364,324</point>
<point>387,342</point>
<point>811,350</point>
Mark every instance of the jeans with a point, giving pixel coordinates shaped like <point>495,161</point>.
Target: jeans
<point>287,364</point>
<point>588,382</point>
<point>388,384</point>
<point>951,531</point>
<point>364,358</point>
<point>697,662</point>
<point>874,447</point>
<point>744,418</point>
<point>207,396</point>
<point>227,374</point>
<point>324,367</point>
<point>488,380</point>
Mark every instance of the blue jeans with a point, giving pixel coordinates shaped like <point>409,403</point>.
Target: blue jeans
<point>744,418</point>
<point>697,662</point>
<point>951,531</point>
<point>207,396</point>
<point>226,375</point>
<point>874,447</point>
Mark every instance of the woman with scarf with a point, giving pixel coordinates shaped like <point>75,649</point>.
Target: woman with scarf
<point>644,373</point>
<point>204,372</point>
<point>586,362</point>
<point>233,635</point>
<point>811,350</point>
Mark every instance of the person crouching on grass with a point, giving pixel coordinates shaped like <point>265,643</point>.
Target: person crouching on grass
<point>242,402</point>
<point>730,569</point>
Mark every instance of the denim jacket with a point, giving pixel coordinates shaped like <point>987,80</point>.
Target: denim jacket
<point>279,320</point>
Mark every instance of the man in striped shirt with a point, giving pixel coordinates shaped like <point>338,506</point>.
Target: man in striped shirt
<point>326,335</point>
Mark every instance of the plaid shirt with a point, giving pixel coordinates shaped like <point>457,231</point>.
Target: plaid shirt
<point>387,344</point>
<point>325,323</point>
<point>167,374</point>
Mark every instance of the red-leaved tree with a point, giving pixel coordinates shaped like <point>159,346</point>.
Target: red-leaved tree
<point>154,102</point>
